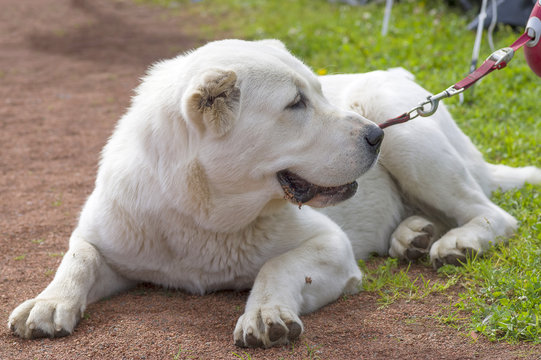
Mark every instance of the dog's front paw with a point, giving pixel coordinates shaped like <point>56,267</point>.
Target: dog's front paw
<point>267,326</point>
<point>37,318</point>
<point>455,248</point>
<point>413,238</point>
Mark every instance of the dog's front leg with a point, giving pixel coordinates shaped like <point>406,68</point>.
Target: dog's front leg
<point>83,277</point>
<point>298,281</point>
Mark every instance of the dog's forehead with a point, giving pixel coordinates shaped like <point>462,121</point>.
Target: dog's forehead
<point>260,62</point>
<point>280,72</point>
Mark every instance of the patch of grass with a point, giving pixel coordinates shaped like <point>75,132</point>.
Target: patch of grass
<point>58,201</point>
<point>454,318</point>
<point>502,290</point>
<point>182,353</point>
<point>392,282</point>
<point>20,257</point>
<point>60,254</point>
<point>243,356</point>
<point>312,351</point>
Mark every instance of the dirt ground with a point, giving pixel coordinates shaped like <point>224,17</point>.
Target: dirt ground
<point>67,70</point>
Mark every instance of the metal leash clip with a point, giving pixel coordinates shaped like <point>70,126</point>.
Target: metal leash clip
<point>419,110</point>
<point>434,101</point>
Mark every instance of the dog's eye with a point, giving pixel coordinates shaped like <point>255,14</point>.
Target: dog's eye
<point>298,103</point>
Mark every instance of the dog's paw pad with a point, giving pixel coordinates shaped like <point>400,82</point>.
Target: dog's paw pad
<point>295,330</point>
<point>276,331</point>
<point>267,326</point>
<point>38,334</point>
<point>61,333</point>
<point>429,228</point>
<point>422,241</point>
<point>414,254</point>
<point>452,259</point>
<point>456,260</point>
<point>252,341</point>
<point>413,238</point>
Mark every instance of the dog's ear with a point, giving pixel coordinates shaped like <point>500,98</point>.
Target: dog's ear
<point>214,102</point>
<point>273,43</point>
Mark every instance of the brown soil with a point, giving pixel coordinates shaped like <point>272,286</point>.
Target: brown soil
<point>67,70</point>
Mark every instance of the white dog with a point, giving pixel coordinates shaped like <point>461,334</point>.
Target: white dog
<point>193,187</point>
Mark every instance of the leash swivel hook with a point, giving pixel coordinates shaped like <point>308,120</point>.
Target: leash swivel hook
<point>434,101</point>
<point>419,110</point>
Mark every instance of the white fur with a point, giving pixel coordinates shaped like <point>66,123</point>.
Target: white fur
<point>186,194</point>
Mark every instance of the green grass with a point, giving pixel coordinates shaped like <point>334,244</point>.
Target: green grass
<point>501,291</point>
<point>393,282</point>
<point>182,354</point>
<point>243,356</point>
<point>504,290</point>
<point>60,254</point>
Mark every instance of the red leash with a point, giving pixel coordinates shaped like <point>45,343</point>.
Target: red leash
<point>496,61</point>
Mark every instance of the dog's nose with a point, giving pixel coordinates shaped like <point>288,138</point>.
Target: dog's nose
<point>374,137</point>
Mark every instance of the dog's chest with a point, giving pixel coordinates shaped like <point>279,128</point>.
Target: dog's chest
<point>195,261</point>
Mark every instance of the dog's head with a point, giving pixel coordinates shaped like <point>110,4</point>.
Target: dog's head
<point>259,128</point>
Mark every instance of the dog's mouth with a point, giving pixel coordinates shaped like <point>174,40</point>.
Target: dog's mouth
<point>299,191</point>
